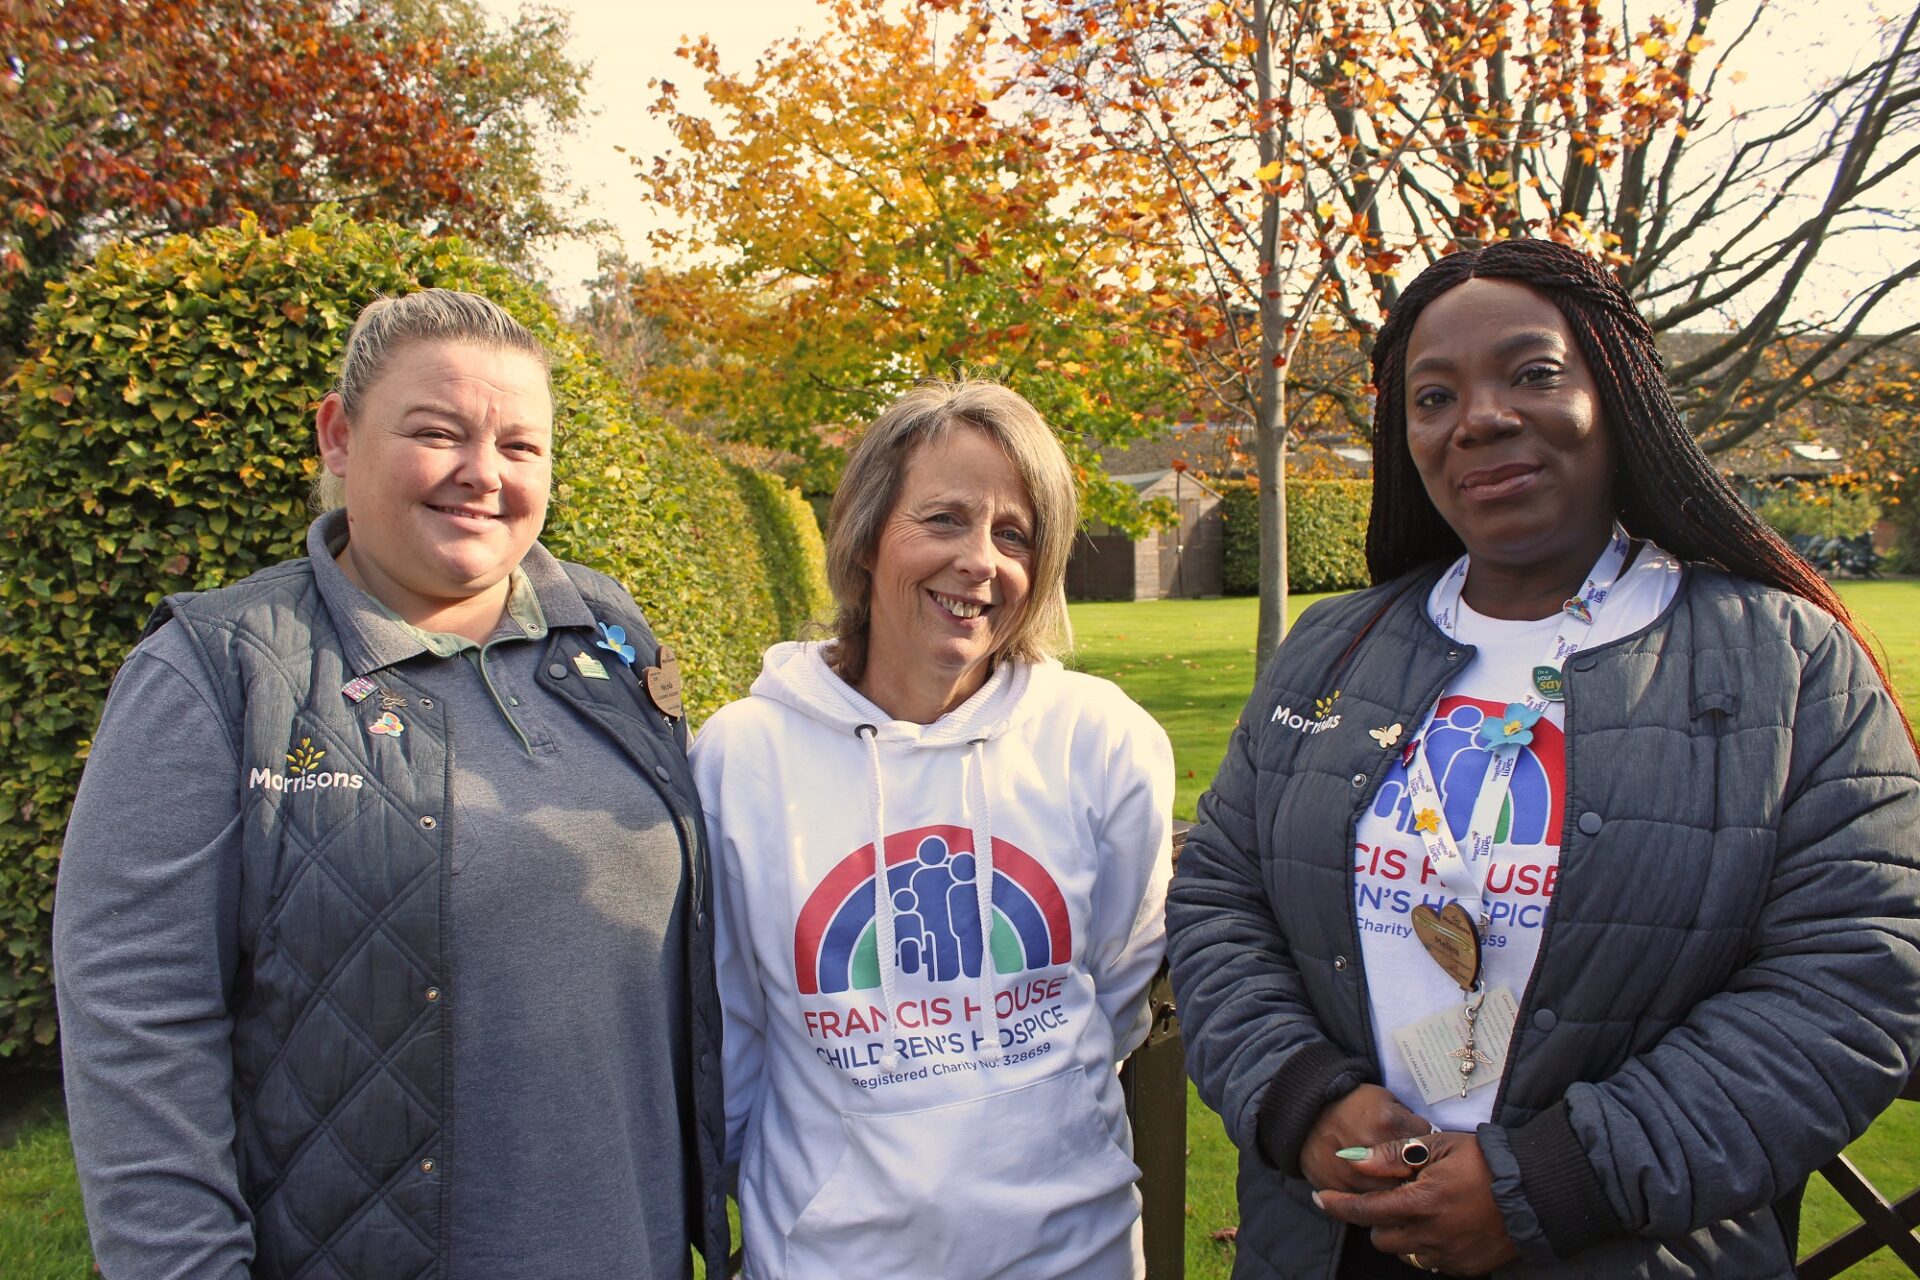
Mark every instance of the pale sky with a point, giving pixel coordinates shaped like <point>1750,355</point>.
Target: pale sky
<point>629,43</point>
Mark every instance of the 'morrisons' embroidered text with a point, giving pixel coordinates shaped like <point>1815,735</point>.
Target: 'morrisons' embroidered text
<point>271,781</point>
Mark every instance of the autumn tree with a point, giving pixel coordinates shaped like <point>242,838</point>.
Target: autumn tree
<point>1305,158</point>
<point>132,118</point>
<point>1206,123</point>
<point>859,211</point>
<point>1880,422</point>
<point>1563,123</point>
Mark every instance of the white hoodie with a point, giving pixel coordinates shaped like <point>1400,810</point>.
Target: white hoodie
<point>895,1107</point>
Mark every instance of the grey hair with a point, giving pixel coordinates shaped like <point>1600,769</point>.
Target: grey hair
<point>870,486</point>
<point>387,325</point>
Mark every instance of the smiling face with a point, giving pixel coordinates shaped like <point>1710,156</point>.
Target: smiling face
<point>1507,431</point>
<point>951,571</point>
<point>447,473</point>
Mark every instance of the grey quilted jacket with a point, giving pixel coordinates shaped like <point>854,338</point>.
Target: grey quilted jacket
<point>1728,988</point>
<point>341,1054</point>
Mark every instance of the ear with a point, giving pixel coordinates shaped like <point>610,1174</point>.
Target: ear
<point>333,432</point>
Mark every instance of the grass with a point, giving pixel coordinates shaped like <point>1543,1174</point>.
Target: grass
<point>1191,664</point>
<point>43,1234</point>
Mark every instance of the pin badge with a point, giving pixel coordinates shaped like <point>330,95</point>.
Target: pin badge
<point>1578,608</point>
<point>1510,730</point>
<point>1551,684</point>
<point>387,726</point>
<point>391,701</point>
<point>614,641</point>
<point>589,666</point>
<point>1386,735</point>
<point>664,684</point>
<point>359,689</point>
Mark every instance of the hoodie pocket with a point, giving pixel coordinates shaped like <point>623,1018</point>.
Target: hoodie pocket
<point>1024,1183</point>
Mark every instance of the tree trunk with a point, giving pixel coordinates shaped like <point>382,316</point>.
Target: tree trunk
<point>1270,455</point>
<point>1270,391</point>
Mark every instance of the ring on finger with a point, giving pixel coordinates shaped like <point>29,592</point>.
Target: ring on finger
<point>1415,1151</point>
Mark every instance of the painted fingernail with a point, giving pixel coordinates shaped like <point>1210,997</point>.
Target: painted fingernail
<point>1317,1202</point>
<point>1354,1153</point>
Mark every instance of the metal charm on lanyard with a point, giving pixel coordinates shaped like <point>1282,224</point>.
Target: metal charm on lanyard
<point>1452,935</point>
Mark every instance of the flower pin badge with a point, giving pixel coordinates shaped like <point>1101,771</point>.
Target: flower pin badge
<point>614,641</point>
<point>1510,730</point>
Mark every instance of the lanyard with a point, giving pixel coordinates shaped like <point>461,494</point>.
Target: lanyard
<point>1464,872</point>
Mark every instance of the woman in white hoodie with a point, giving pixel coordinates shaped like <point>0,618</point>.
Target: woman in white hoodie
<point>943,859</point>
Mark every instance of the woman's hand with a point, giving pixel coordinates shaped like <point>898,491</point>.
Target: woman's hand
<point>1368,1117</point>
<point>1445,1216</point>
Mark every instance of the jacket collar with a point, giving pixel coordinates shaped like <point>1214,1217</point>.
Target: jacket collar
<point>371,639</point>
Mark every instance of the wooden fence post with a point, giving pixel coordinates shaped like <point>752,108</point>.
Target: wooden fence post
<point>1154,1080</point>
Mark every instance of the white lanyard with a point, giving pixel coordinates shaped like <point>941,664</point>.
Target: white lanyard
<point>1465,874</point>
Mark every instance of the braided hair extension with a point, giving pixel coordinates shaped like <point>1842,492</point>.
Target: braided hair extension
<point>1664,489</point>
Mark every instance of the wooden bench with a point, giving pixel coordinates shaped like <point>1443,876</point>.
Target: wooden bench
<point>1881,1224</point>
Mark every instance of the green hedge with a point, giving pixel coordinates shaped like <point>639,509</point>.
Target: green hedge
<point>162,441</point>
<point>1326,535</point>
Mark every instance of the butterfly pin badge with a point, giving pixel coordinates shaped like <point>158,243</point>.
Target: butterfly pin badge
<point>1386,735</point>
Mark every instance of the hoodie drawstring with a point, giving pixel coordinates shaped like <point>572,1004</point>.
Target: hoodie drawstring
<point>882,893</point>
<point>983,887</point>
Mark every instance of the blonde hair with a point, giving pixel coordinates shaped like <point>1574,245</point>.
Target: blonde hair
<point>870,486</point>
<point>386,325</point>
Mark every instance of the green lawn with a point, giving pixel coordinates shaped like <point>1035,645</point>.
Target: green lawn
<point>1191,664</point>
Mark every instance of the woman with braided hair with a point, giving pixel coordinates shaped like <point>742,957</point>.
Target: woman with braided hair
<point>1554,912</point>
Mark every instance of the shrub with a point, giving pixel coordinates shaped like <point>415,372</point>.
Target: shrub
<point>162,442</point>
<point>1326,535</point>
<point>1820,511</point>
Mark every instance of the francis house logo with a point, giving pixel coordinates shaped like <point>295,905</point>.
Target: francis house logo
<point>303,773</point>
<point>937,934</point>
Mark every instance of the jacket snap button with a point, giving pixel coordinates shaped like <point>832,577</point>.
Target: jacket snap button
<point>1359,779</point>
<point>1590,823</point>
<point>1453,655</point>
<point>1545,1020</point>
<point>427,823</point>
<point>557,670</point>
<point>660,772</point>
<point>427,1165</point>
<point>1340,964</point>
<point>426,704</point>
<point>433,993</point>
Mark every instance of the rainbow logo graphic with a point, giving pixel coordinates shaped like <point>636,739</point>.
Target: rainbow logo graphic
<point>936,906</point>
<point>1531,814</point>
